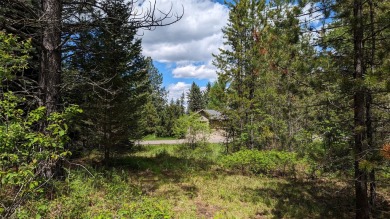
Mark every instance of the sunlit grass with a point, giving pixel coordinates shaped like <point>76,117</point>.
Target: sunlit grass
<point>173,181</point>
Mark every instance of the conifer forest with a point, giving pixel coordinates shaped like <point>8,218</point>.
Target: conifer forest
<point>295,124</point>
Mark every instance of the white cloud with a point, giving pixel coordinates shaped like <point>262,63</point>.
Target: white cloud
<point>191,51</point>
<point>192,40</point>
<point>313,15</point>
<point>194,71</point>
<point>176,90</point>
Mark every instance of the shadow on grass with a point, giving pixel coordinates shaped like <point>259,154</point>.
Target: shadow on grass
<point>308,199</point>
<point>154,171</point>
<point>286,198</point>
<point>162,163</point>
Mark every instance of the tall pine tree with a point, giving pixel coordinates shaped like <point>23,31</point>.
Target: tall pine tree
<point>195,98</point>
<point>350,42</point>
<point>112,77</point>
<point>260,70</point>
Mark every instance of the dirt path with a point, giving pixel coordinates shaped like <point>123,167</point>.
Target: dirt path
<point>215,137</point>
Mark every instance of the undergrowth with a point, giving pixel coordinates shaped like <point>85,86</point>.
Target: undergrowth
<point>174,181</point>
<point>106,194</point>
<point>279,163</point>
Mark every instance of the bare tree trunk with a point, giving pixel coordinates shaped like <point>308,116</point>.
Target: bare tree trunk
<point>50,73</point>
<point>362,207</point>
<point>50,68</point>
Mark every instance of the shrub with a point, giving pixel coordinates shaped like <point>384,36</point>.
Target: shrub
<point>193,129</point>
<point>107,194</point>
<point>262,162</point>
<point>27,156</point>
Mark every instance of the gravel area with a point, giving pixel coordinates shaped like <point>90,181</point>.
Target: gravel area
<point>215,137</point>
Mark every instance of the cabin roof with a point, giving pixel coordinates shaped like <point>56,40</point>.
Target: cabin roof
<point>212,114</point>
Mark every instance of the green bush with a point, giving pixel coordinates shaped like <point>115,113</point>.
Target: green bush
<point>262,162</point>
<point>204,152</point>
<point>31,142</point>
<point>28,156</point>
<point>192,129</point>
<point>106,194</point>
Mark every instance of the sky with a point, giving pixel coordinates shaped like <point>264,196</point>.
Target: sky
<point>182,52</point>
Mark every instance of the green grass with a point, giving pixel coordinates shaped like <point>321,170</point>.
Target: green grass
<point>173,181</point>
<point>154,137</point>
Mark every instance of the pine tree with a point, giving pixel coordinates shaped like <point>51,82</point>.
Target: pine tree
<point>114,81</point>
<point>206,95</point>
<point>181,104</point>
<point>157,91</point>
<point>260,71</point>
<point>150,118</point>
<point>195,98</point>
<point>350,43</point>
<point>217,96</point>
<point>156,103</point>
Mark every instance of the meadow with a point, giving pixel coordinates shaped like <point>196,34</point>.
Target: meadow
<point>173,181</point>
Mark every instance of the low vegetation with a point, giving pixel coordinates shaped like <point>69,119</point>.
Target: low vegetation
<point>302,96</point>
<point>264,162</point>
<point>174,181</point>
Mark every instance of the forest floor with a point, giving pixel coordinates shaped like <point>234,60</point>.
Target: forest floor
<point>173,181</point>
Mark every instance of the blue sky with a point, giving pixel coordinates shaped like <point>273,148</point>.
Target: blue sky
<point>183,51</point>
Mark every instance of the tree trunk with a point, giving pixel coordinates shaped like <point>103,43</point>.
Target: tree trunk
<point>50,74</point>
<point>370,130</point>
<point>50,68</point>
<point>370,146</point>
<point>106,155</point>
<point>362,207</point>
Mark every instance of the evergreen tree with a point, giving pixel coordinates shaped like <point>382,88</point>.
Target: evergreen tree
<point>240,70</point>
<point>114,81</point>
<point>206,95</point>
<point>217,96</point>
<point>156,103</point>
<point>150,118</point>
<point>171,113</point>
<point>54,28</point>
<point>181,104</point>
<point>195,98</point>
<point>259,72</point>
<point>157,91</point>
<point>349,44</point>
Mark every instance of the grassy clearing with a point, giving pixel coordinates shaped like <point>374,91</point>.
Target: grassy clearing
<point>175,182</point>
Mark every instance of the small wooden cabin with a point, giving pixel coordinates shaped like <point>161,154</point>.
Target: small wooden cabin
<point>212,117</point>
